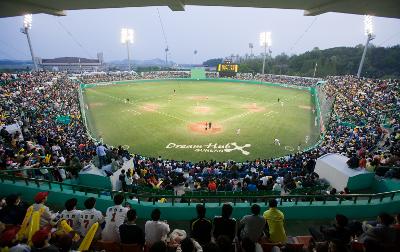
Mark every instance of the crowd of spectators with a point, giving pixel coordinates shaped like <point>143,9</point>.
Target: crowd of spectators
<point>35,100</point>
<point>364,126</point>
<point>222,233</point>
<point>121,76</point>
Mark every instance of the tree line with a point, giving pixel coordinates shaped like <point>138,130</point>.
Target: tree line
<point>380,62</point>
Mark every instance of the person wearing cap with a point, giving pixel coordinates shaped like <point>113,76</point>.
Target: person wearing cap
<point>40,241</point>
<point>71,215</point>
<point>8,238</point>
<point>45,215</point>
<point>14,210</point>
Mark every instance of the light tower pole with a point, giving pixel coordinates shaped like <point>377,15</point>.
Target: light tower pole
<point>127,36</point>
<point>25,30</point>
<point>251,49</point>
<point>166,56</point>
<point>194,55</point>
<point>368,28</point>
<point>265,41</point>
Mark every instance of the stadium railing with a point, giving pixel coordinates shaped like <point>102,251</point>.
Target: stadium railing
<point>261,196</point>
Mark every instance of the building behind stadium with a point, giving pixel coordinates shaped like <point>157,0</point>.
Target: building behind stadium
<point>72,64</point>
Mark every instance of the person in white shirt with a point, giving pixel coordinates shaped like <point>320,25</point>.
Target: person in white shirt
<point>70,214</point>
<point>115,217</point>
<point>155,230</point>
<point>277,142</point>
<point>277,187</point>
<point>89,216</point>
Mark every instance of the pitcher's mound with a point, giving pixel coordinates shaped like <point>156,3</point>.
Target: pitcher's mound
<point>200,127</point>
<point>198,98</point>
<point>202,109</point>
<point>253,107</point>
<point>150,107</point>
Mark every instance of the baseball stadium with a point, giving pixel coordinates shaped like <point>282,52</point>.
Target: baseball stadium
<point>230,156</point>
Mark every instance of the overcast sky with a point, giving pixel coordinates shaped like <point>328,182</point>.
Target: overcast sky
<point>212,31</point>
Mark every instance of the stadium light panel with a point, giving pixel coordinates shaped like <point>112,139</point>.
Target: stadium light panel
<point>368,25</point>
<point>265,39</point>
<point>28,21</point>
<point>127,35</point>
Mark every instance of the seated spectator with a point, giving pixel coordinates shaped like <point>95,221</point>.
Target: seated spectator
<point>275,218</point>
<point>339,233</point>
<point>40,241</point>
<point>129,232</point>
<point>248,245</point>
<point>397,224</point>
<point>14,211</point>
<point>89,216</point>
<point>115,217</point>
<point>224,224</point>
<point>8,237</point>
<point>155,230</point>
<point>382,237</point>
<point>46,216</point>
<point>189,245</point>
<point>70,214</point>
<point>159,246</point>
<point>201,227</point>
<point>65,242</point>
<point>252,226</point>
<point>225,243</point>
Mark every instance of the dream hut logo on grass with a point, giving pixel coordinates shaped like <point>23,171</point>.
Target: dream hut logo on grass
<point>211,147</point>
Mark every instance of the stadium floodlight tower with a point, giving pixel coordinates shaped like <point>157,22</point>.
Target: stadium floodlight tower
<point>25,30</point>
<point>368,28</point>
<point>127,36</point>
<point>265,41</point>
<point>251,49</point>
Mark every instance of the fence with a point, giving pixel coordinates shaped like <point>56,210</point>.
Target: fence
<point>176,208</point>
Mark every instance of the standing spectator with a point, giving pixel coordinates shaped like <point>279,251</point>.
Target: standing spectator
<point>101,153</point>
<point>201,227</point>
<point>89,216</point>
<point>155,230</point>
<point>70,214</point>
<point>224,224</point>
<point>122,180</point>
<point>275,218</point>
<point>252,225</point>
<point>129,232</point>
<point>115,217</point>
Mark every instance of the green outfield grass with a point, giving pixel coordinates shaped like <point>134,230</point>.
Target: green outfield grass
<point>156,122</point>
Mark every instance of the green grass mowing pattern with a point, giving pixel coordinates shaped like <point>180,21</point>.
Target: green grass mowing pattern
<point>149,132</point>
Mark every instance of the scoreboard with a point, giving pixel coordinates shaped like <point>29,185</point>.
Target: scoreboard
<point>227,69</point>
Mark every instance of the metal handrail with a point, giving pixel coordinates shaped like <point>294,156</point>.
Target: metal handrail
<point>203,198</point>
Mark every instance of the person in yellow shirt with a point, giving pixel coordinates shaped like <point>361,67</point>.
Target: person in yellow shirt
<point>275,218</point>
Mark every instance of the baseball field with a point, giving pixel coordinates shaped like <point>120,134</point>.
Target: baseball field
<point>202,120</point>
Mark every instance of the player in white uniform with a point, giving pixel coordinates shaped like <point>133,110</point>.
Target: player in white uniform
<point>238,132</point>
<point>89,216</point>
<point>307,139</point>
<point>115,217</point>
<point>71,215</point>
<point>277,142</point>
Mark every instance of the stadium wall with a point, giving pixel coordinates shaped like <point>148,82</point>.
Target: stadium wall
<point>301,210</point>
